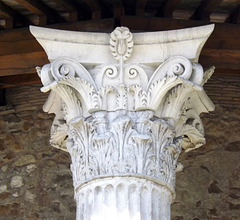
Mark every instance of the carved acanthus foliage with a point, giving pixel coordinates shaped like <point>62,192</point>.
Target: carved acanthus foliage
<point>207,75</point>
<point>124,118</point>
<point>123,143</point>
<point>135,87</point>
<point>168,92</point>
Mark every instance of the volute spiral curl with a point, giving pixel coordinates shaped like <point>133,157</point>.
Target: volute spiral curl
<point>110,71</point>
<point>180,66</point>
<point>178,69</point>
<point>66,70</point>
<point>132,73</point>
<point>62,68</point>
<point>67,67</point>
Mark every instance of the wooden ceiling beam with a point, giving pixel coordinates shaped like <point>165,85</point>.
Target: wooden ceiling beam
<point>19,80</point>
<point>71,7</point>
<point>6,11</point>
<point>45,14</point>
<point>221,59</point>
<point>37,8</point>
<point>167,8</point>
<point>7,14</point>
<point>33,6</point>
<point>40,9</point>
<point>205,9</point>
<point>118,10</point>
<point>234,16</point>
<point>11,16</point>
<point>140,7</point>
<point>157,23</point>
<point>8,23</point>
<point>95,8</point>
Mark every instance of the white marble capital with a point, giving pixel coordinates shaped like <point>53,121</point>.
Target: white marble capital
<point>126,105</point>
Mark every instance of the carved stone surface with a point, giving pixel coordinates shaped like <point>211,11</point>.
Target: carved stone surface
<point>120,143</point>
<point>125,109</point>
<point>123,198</point>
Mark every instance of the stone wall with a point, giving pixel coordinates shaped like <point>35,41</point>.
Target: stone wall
<point>209,186</point>
<point>36,182</point>
<point>35,179</point>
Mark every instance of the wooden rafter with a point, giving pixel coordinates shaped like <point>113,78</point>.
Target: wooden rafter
<point>71,7</point>
<point>45,13</point>
<point>7,15</point>
<point>8,23</point>
<point>11,16</point>
<point>6,11</point>
<point>118,10</point>
<point>33,6</point>
<point>234,16</point>
<point>95,8</point>
<point>17,80</point>
<point>140,7</point>
<point>167,8</point>
<point>37,8</point>
<point>205,9</point>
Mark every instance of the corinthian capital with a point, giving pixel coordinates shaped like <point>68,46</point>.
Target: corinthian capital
<point>126,104</point>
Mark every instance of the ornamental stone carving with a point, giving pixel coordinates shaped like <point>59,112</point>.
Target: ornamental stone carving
<point>126,105</point>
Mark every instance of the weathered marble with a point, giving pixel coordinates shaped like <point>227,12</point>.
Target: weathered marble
<point>126,105</point>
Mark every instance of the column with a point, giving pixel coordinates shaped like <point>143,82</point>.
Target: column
<point>126,105</point>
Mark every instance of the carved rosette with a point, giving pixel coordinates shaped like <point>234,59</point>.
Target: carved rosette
<point>125,119</point>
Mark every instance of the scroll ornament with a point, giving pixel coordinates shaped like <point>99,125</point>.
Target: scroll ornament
<point>126,118</point>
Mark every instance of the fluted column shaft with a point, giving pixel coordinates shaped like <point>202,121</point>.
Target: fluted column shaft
<point>123,198</point>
